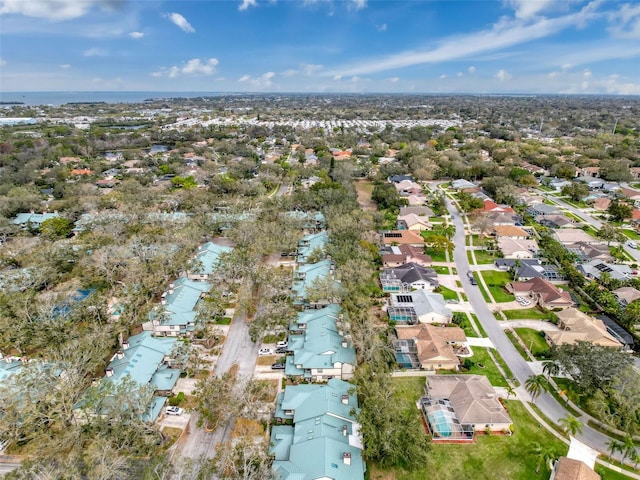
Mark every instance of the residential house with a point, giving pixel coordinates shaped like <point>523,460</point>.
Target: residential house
<point>311,222</point>
<point>516,248</point>
<point>504,218</point>
<point>571,469</point>
<point>626,295</point>
<point>421,211</point>
<point>414,222</point>
<point>590,251</point>
<point>393,256</point>
<point>408,277</point>
<point>407,187</point>
<point>593,172</point>
<point>455,407</point>
<point>592,182</point>
<point>176,315</point>
<point>542,292</point>
<point>601,203</point>
<point>207,261</point>
<point>402,237</point>
<point>304,279</point>
<point>555,221</point>
<point>528,268</point>
<point>491,206</point>
<point>635,172</point>
<point>510,231</point>
<point>312,245</point>
<point>146,360</point>
<point>317,435</point>
<point>541,209</point>
<point>632,195</point>
<point>321,350</point>
<point>579,327</point>
<point>595,268</point>
<point>33,219</point>
<point>81,172</point>
<point>416,199</point>
<point>573,235</point>
<point>418,306</point>
<point>9,366</point>
<point>558,183</point>
<point>428,347</point>
<point>462,183</point>
<point>400,178</point>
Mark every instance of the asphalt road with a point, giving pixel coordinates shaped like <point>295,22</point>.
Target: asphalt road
<point>237,349</point>
<point>521,370</point>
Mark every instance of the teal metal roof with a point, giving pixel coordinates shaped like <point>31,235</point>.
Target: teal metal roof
<point>208,257</point>
<point>310,401</point>
<point>311,242</point>
<point>34,218</point>
<point>7,369</point>
<point>186,294</point>
<point>306,274</point>
<point>154,409</point>
<point>165,378</point>
<point>142,359</point>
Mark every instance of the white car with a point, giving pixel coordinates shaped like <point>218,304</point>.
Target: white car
<point>282,343</point>
<point>632,244</point>
<point>520,299</point>
<point>265,351</point>
<point>174,411</point>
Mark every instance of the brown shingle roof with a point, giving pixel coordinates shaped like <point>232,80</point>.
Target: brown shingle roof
<point>570,469</point>
<point>433,342</point>
<point>401,237</point>
<point>510,231</point>
<point>548,292</point>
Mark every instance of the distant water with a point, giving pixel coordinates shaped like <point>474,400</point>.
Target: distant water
<point>60,98</point>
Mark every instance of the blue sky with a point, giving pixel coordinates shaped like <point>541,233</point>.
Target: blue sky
<point>454,46</point>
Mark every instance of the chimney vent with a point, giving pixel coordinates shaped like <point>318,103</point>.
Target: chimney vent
<point>109,372</point>
<point>344,430</point>
<point>346,458</point>
<point>345,399</point>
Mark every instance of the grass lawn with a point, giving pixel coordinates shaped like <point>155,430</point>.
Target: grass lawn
<point>496,281</point>
<point>608,474</point>
<point>514,340</point>
<point>485,295</point>
<point>436,255</point>
<point>478,325</point>
<point>470,257</point>
<point>484,365</point>
<point>447,293</point>
<point>525,314</point>
<point>484,257</point>
<point>441,270</point>
<point>535,342</point>
<point>491,457</point>
<point>631,234</point>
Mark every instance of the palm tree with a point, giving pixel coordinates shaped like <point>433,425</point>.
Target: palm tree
<point>510,391</point>
<point>551,369</point>
<point>544,455</point>
<point>535,385</point>
<point>615,446</point>
<point>629,448</point>
<point>571,425</point>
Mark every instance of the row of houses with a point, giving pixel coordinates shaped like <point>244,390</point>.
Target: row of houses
<point>316,434</point>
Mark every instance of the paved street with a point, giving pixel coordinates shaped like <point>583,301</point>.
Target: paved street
<point>520,368</point>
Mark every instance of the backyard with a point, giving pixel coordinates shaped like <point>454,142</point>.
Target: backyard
<point>494,456</point>
<point>526,314</point>
<point>482,364</point>
<point>535,342</point>
<point>436,255</point>
<point>447,293</point>
<point>495,282</point>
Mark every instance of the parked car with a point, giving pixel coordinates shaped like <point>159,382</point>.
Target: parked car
<point>282,350</point>
<point>173,411</point>
<point>632,244</point>
<point>278,366</point>
<point>265,351</point>
<point>282,343</point>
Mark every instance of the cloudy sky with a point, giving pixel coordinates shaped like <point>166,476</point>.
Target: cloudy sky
<point>453,46</point>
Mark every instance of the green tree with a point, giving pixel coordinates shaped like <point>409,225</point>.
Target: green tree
<point>576,191</point>
<point>610,234</point>
<point>571,425</point>
<point>535,385</point>
<point>619,211</point>
<point>55,228</point>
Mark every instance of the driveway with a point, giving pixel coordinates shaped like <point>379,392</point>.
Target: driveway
<point>519,367</point>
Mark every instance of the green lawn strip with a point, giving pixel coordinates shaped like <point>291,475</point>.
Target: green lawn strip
<point>495,282</point>
<point>525,314</point>
<point>514,340</point>
<point>546,419</point>
<point>447,293</point>
<point>467,327</point>
<point>631,234</point>
<point>535,342</point>
<point>483,365</point>
<point>484,293</point>
<point>546,189</point>
<point>608,432</point>
<point>458,284</point>
<point>485,257</point>
<point>491,456</point>
<point>441,270</point>
<point>504,366</point>
<point>436,255</point>
<point>478,325</point>
<point>470,257</point>
<point>608,474</point>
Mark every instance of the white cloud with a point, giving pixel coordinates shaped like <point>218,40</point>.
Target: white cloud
<point>503,75</point>
<point>65,66</point>
<point>587,73</point>
<point>529,8</point>
<point>443,76</point>
<point>52,9</point>
<point>382,28</point>
<point>394,79</point>
<point>181,22</point>
<point>3,62</point>
<point>337,77</point>
<point>358,4</point>
<point>310,69</point>
<point>459,74</point>
<point>246,4</point>
<point>355,79</point>
<point>136,35</point>
<point>94,52</point>
<point>194,67</point>
<point>506,33</point>
<point>289,73</point>
<point>626,21</point>
<point>471,69</point>
<point>261,82</point>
